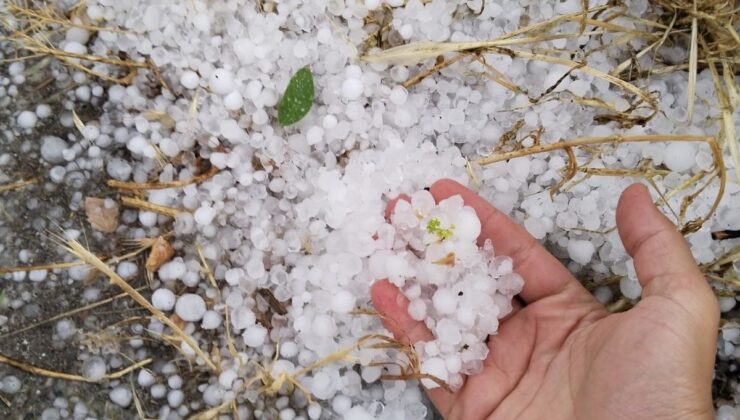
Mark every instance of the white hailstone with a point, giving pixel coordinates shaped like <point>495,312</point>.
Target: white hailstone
<point>121,396</point>
<point>324,326</point>
<point>396,268</point>
<point>174,382</point>
<point>372,4</point>
<point>172,270</point>
<point>342,302</point>
<point>10,385</point>
<point>510,284</point>
<point>417,309</point>
<point>445,301</point>
<point>580,251</point>
<point>436,367</point>
<point>242,318</point>
<point>630,288</point>
<point>227,377</point>
<point>579,87</point>
<point>352,88</point>
<point>467,225</point>
<point>231,131</point>
<point>175,398</point>
<point>213,395</point>
<point>204,215</point>
<point>190,307</point>
<point>727,412</point>
<point>233,276</point>
<point>65,329</point>
<point>27,119</point>
<point>52,149</point>
<point>233,101</point>
<point>43,111</point>
<point>603,294</point>
<point>127,270</point>
<point>244,50</point>
<point>358,413</point>
<point>189,79</point>
<point>254,89</point>
<point>91,132</point>
<point>341,404</point>
<point>163,299</point>
<point>221,81</point>
<point>94,368</point>
<point>255,335</point>
<point>314,411</point>
<point>74,48</point>
<point>314,135</point>
<point>406,31</point>
<point>158,391</point>
<point>726,303</point>
<point>679,156</point>
<point>448,332</point>
<point>288,349</point>
<point>140,146</point>
<point>329,122</point>
<point>211,320</point>
<point>453,363</point>
<point>398,95</point>
<point>37,275</point>
<point>152,17</point>
<point>145,379</point>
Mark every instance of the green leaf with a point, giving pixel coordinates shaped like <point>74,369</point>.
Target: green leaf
<point>297,99</point>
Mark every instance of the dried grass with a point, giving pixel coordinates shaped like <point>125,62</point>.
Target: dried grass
<point>67,314</point>
<point>718,171</point>
<point>34,27</point>
<point>75,248</point>
<point>140,204</point>
<point>18,185</point>
<point>160,185</point>
<point>69,376</point>
<point>141,246</point>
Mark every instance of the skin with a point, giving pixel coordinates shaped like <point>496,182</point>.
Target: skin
<point>560,354</point>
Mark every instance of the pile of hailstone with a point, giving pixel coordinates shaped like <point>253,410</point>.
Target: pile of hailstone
<point>459,290</point>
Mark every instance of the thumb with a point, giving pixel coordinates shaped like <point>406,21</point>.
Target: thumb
<point>662,259</point>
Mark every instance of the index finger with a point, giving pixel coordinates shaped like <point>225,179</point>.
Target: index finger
<point>543,274</point>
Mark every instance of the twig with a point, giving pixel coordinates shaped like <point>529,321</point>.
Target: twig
<point>435,68</point>
<point>53,266</point>
<point>146,205</point>
<point>719,167</point>
<point>122,185</point>
<point>82,253</point>
<point>67,314</point>
<point>18,184</point>
<point>69,376</point>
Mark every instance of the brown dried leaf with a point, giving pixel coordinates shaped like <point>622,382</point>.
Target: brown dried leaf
<point>102,213</point>
<point>161,252</point>
<point>448,260</point>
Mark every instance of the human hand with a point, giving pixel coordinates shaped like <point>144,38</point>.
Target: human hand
<point>560,354</point>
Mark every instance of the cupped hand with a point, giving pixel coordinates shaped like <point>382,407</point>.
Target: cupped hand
<point>560,354</point>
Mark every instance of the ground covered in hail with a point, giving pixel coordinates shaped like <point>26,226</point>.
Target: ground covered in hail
<point>194,192</point>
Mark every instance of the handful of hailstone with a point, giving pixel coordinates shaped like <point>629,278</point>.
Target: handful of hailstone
<point>459,290</point>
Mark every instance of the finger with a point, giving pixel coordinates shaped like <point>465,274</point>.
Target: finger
<point>663,261</point>
<point>508,357</point>
<point>392,205</point>
<point>543,274</point>
<point>393,308</point>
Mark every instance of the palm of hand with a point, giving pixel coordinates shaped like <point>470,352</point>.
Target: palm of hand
<point>563,355</point>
